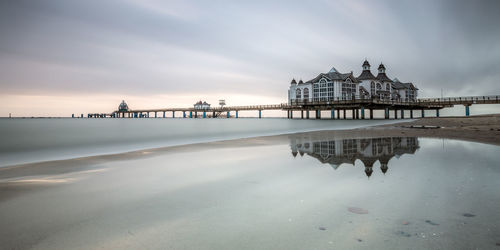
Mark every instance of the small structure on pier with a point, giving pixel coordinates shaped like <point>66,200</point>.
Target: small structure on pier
<point>201,105</point>
<point>222,103</point>
<point>123,107</point>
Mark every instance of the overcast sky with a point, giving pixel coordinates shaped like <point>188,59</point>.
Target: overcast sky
<point>58,56</point>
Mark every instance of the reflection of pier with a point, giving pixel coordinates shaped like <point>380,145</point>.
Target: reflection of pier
<point>339,151</point>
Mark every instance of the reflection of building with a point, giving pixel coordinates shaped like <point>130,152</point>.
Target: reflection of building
<point>201,105</point>
<point>339,151</point>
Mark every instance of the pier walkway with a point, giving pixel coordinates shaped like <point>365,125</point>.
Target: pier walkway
<point>337,108</point>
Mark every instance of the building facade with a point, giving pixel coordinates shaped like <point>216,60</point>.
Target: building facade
<point>333,86</point>
<point>329,86</point>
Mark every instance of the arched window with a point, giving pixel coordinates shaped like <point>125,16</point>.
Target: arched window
<point>321,90</point>
<point>306,93</point>
<point>379,87</point>
<point>372,88</point>
<point>298,94</point>
<point>388,87</point>
<point>322,83</point>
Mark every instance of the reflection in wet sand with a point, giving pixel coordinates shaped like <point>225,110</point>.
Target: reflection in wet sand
<point>328,149</point>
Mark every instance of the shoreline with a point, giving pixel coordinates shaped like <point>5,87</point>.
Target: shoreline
<point>156,137</point>
<point>479,129</point>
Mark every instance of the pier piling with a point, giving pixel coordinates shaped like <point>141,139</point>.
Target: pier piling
<point>356,106</point>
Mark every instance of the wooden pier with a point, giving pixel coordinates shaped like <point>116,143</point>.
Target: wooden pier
<point>338,108</point>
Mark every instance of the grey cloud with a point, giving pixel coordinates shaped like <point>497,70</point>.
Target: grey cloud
<point>253,47</point>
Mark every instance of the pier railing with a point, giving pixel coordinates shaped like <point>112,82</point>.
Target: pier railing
<point>355,102</point>
<point>252,107</point>
<point>467,100</point>
<point>492,99</point>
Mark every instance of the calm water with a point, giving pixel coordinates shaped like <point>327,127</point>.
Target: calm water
<point>33,140</point>
<point>305,191</point>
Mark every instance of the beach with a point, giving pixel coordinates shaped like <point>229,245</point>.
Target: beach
<point>481,128</point>
<point>391,186</point>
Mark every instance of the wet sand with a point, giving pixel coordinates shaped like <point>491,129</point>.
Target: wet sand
<point>481,128</point>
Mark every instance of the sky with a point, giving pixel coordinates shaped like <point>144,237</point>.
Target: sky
<point>59,57</point>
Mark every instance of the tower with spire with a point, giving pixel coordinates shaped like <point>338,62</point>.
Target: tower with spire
<point>366,79</point>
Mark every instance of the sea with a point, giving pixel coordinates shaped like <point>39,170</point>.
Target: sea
<point>34,140</point>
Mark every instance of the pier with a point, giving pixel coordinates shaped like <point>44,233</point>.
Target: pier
<point>360,108</point>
